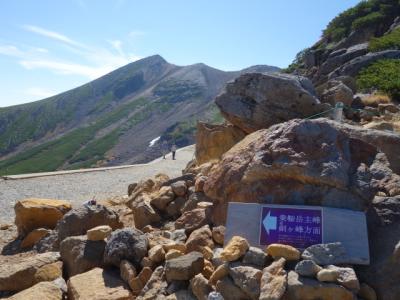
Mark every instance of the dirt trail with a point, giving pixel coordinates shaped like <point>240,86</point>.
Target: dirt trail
<point>81,185</point>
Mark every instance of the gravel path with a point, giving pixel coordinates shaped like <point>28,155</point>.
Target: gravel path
<point>81,186</point>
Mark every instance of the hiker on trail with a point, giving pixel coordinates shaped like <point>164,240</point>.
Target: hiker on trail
<point>173,150</point>
<point>164,149</point>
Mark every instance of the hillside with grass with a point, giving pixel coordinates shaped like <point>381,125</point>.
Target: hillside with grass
<point>111,120</point>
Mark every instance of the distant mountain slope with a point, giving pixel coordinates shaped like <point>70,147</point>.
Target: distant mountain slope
<point>112,120</point>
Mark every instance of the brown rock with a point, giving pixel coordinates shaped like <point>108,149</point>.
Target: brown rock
<point>143,212</point>
<point>39,213</point>
<point>199,239</point>
<point>199,184</point>
<point>218,234</point>
<point>179,188</point>
<point>366,292</point>
<point>138,283</point>
<point>274,281</point>
<point>155,287</point>
<point>98,284</point>
<point>285,162</point>
<point>175,246</point>
<point>173,254</point>
<point>200,287</point>
<point>127,271</point>
<point>212,141</point>
<point>192,220</point>
<point>235,249</point>
<point>347,277</point>
<point>19,273</point>
<point>157,254</point>
<point>219,273</point>
<point>208,269</point>
<point>162,197</point>
<point>33,237</point>
<point>99,233</point>
<point>247,279</point>
<point>285,251</point>
<point>41,290</point>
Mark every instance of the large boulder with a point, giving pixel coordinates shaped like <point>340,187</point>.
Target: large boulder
<point>19,273</point>
<point>78,221</point>
<point>213,140</point>
<point>98,284</point>
<point>127,243</point>
<point>309,162</point>
<point>143,212</point>
<point>255,101</point>
<point>80,255</point>
<point>39,213</point>
<point>383,273</point>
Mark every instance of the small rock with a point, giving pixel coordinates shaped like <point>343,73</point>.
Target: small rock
<point>178,235</point>
<point>174,207</point>
<point>98,284</point>
<point>285,251</point>
<point>176,246</point>
<point>207,252</point>
<point>255,256</point>
<point>173,254</point>
<point>181,295</point>
<point>247,279</point>
<point>229,290</point>
<point>274,281</point>
<point>33,237</point>
<point>217,260</point>
<point>138,283</point>
<point>218,234</point>
<point>192,220</point>
<point>162,198</point>
<point>147,262</point>
<point>184,267</point>
<point>235,249</point>
<point>179,188</point>
<point>143,213</point>
<point>328,275</point>
<point>219,273</point>
<point>200,238</point>
<point>208,269</point>
<point>327,254</point>
<point>347,278</point>
<point>308,268</point>
<point>155,287</point>
<point>148,228</point>
<point>127,243</point>
<point>157,254</point>
<point>99,233</point>
<point>43,290</point>
<point>81,255</point>
<point>366,292</point>
<point>127,271</point>
<point>200,287</point>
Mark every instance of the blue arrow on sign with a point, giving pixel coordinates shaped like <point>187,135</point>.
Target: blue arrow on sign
<point>269,222</point>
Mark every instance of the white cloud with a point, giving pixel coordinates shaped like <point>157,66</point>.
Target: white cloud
<point>52,35</point>
<point>39,92</point>
<point>11,50</point>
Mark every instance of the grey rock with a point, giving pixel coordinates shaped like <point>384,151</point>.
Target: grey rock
<point>184,267</point>
<point>347,277</point>
<point>80,255</point>
<point>155,287</point>
<point>143,213</point>
<point>255,256</point>
<point>179,188</point>
<point>79,220</point>
<point>48,243</point>
<point>177,235</point>
<point>229,290</point>
<point>128,243</point>
<point>174,207</point>
<point>274,281</point>
<point>354,66</point>
<point>254,101</point>
<point>338,93</point>
<point>217,260</point>
<point>247,279</point>
<point>193,200</point>
<point>327,254</point>
<point>306,288</point>
<point>307,268</point>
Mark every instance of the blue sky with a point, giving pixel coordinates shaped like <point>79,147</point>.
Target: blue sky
<point>47,47</point>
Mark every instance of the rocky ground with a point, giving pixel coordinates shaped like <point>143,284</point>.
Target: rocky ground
<point>78,187</point>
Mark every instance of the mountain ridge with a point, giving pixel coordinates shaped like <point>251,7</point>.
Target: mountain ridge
<point>109,120</point>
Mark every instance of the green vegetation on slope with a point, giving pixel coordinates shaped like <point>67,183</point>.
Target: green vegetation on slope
<point>370,13</point>
<point>388,41</point>
<point>50,156</point>
<point>383,75</point>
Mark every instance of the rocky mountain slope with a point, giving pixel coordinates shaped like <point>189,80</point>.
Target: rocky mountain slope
<point>113,119</point>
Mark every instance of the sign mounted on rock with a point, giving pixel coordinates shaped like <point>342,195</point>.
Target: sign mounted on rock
<point>299,226</point>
